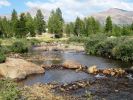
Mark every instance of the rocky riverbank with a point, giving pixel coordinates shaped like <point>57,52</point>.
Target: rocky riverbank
<point>19,69</point>
<point>59,47</point>
<point>106,83</point>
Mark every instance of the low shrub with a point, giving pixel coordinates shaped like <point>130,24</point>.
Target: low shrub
<point>8,90</point>
<point>77,39</point>
<point>91,43</point>
<point>116,47</point>
<point>124,51</point>
<point>5,49</point>
<point>104,48</point>
<point>34,41</point>
<point>2,57</point>
<point>19,47</point>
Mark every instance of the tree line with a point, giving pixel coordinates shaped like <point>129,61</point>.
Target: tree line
<point>89,26</point>
<point>24,25</point>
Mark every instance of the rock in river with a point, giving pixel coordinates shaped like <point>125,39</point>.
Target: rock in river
<point>92,69</point>
<point>72,65</point>
<point>19,68</point>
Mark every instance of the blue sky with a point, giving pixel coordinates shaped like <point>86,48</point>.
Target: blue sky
<point>70,8</point>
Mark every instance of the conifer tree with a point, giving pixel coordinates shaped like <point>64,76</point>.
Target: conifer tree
<point>40,23</point>
<point>108,26</point>
<point>21,26</point>
<point>78,29</point>
<point>30,25</point>
<point>14,21</point>
<point>55,23</point>
<point>69,29</point>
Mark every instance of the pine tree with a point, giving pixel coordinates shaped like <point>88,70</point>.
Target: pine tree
<point>40,23</point>
<point>14,21</point>
<point>7,27</point>
<point>21,26</point>
<point>30,25</point>
<point>69,29</point>
<point>79,27</point>
<point>1,28</point>
<point>55,23</point>
<point>95,25</point>
<point>51,23</point>
<point>108,26</point>
<point>117,30</point>
<point>126,30</point>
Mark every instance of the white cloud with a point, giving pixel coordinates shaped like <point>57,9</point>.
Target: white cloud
<point>80,8</point>
<point>4,3</point>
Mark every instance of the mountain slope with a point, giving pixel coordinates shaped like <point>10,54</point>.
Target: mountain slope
<point>118,16</point>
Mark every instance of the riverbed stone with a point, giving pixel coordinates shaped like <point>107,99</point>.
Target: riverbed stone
<point>114,72</point>
<point>92,69</point>
<point>18,68</point>
<point>72,65</point>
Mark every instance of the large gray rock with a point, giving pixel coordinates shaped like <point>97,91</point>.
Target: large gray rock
<point>19,68</point>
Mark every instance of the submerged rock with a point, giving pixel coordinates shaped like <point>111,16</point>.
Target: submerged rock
<point>19,68</point>
<point>130,76</point>
<point>100,76</point>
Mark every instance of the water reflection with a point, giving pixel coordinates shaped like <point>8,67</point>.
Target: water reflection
<point>84,59</point>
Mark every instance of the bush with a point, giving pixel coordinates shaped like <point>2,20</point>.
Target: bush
<point>91,43</point>
<point>124,51</point>
<point>2,57</point>
<point>8,90</point>
<point>5,49</point>
<point>20,47</point>
<point>58,35</point>
<point>104,48</point>
<point>34,41</point>
<point>117,47</point>
<point>77,39</point>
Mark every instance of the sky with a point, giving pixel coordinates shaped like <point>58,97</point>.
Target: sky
<point>70,8</point>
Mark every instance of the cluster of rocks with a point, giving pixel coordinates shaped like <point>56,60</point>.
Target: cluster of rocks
<point>107,71</point>
<point>68,64</point>
<point>72,86</point>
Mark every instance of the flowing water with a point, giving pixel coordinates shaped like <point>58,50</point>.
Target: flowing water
<point>102,87</point>
<point>67,76</point>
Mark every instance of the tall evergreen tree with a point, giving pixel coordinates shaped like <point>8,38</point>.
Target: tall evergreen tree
<point>95,25</point>
<point>51,22</point>
<point>21,26</point>
<point>7,27</point>
<point>78,29</point>
<point>40,23</point>
<point>14,21</point>
<point>69,29</point>
<point>91,26</point>
<point>108,26</point>
<point>1,28</point>
<point>55,23</point>
<point>117,30</point>
<point>30,25</point>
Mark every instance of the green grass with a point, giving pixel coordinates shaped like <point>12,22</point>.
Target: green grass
<point>8,90</point>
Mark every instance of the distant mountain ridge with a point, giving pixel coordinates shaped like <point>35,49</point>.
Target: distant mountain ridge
<point>119,16</point>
